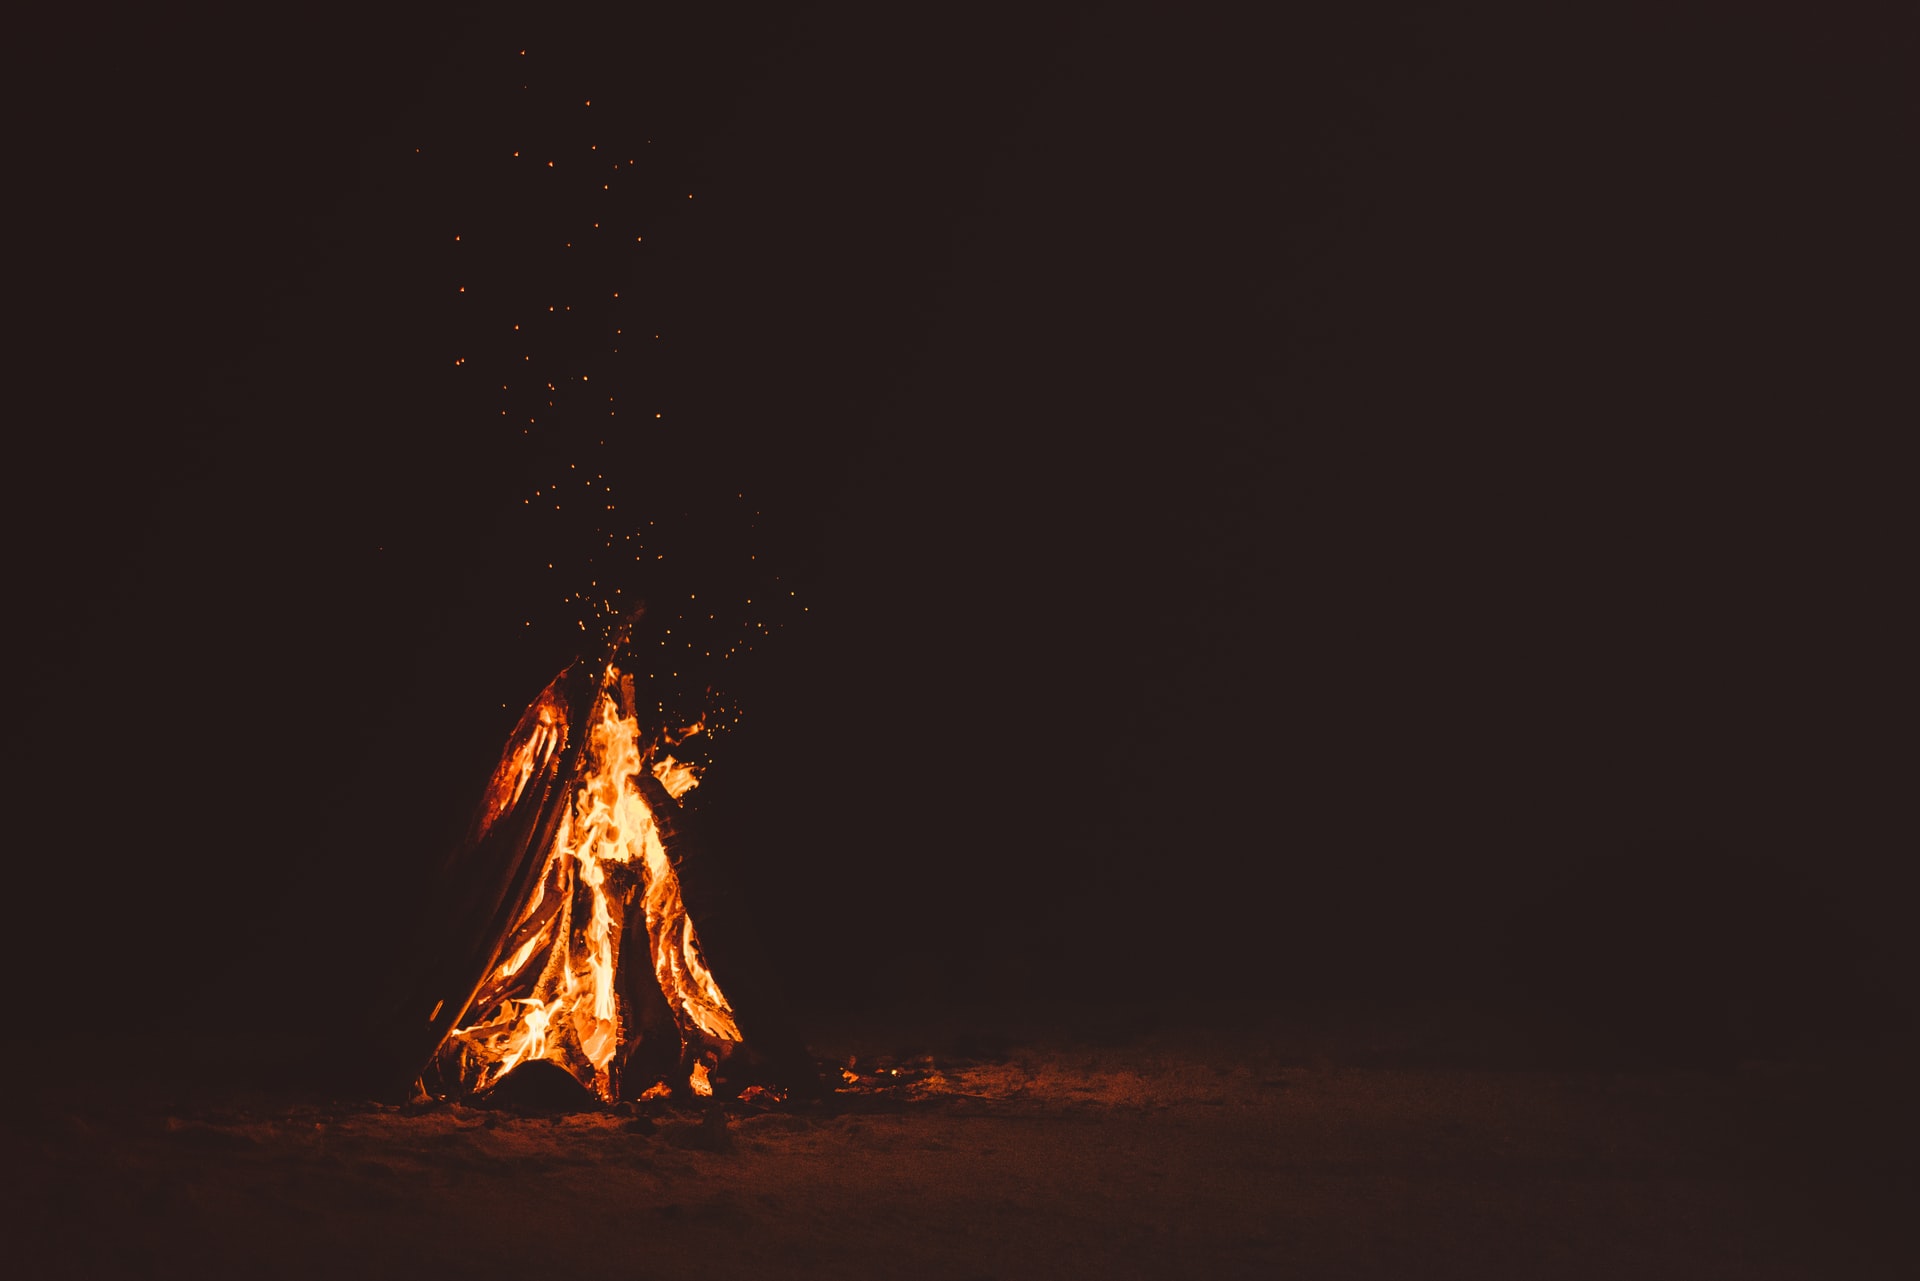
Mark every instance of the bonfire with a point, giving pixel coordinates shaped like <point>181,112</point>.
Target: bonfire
<point>560,930</point>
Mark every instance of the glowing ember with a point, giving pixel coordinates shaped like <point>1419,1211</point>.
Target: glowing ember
<point>561,988</point>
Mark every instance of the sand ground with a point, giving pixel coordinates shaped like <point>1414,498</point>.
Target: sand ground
<point>1261,1150</point>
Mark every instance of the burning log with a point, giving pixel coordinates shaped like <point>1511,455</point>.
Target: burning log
<point>524,941</point>
<point>484,882</point>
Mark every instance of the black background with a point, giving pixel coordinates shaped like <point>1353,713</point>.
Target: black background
<point>1274,507</point>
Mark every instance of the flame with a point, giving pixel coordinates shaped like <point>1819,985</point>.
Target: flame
<point>530,755</point>
<point>676,777</point>
<point>610,872</point>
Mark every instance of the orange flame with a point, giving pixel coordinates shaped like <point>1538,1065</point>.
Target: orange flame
<point>607,861</point>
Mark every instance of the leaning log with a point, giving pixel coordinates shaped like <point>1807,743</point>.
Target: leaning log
<point>484,883</point>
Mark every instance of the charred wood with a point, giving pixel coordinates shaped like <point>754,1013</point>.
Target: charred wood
<point>487,880</point>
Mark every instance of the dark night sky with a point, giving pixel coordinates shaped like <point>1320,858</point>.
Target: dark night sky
<point>1293,505</point>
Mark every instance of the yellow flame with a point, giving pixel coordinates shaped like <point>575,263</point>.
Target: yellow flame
<point>530,755</point>
<point>677,777</point>
<point>608,846</point>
